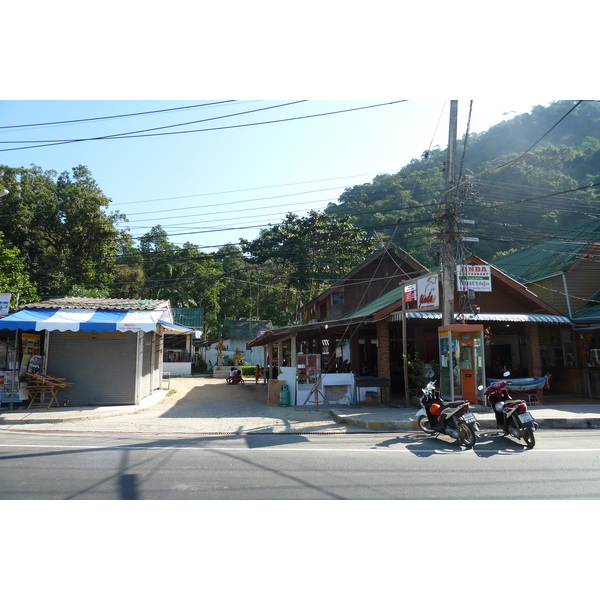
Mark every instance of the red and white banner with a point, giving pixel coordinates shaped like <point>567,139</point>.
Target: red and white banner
<point>410,292</point>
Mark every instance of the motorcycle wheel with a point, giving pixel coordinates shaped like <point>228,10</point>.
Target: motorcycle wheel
<point>467,435</point>
<point>423,423</point>
<point>528,437</point>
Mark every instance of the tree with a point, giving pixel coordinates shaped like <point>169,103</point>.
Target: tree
<point>14,278</point>
<point>240,291</point>
<point>183,275</point>
<point>61,228</point>
<point>307,254</point>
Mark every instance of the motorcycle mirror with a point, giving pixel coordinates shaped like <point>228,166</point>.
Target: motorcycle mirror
<point>506,374</point>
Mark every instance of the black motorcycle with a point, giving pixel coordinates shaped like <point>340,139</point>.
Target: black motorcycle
<point>450,418</point>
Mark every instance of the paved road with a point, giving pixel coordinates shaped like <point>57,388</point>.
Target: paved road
<point>411,465</point>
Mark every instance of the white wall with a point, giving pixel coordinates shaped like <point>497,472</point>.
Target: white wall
<point>254,356</point>
<point>178,369</point>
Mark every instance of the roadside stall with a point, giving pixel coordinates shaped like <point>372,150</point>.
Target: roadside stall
<point>90,351</point>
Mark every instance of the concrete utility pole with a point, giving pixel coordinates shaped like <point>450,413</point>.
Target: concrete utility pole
<point>448,241</point>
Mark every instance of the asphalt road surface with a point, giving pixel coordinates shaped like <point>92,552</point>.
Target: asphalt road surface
<point>564,465</point>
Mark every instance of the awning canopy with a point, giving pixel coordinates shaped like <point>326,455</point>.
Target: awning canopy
<point>52,319</point>
<point>505,317</point>
<point>178,329</point>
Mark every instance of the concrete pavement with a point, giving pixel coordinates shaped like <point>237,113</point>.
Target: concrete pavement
<point>201,405</point>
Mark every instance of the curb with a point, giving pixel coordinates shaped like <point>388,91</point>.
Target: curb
<point>484,423</point>
<point>377,425</point>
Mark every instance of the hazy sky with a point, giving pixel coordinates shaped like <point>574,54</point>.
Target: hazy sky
<point>214,186</point>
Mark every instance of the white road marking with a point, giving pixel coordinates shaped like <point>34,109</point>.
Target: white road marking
<point>297,449</point>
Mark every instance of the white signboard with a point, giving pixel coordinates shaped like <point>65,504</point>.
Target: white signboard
<point>428,291</point>
<point>4,304</point>
<point>474,277</point>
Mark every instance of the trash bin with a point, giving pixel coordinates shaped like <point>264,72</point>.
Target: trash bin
<point>284,395</point>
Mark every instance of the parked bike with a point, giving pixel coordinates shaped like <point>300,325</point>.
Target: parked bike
<point>512,415</point>
<point>451,418</point>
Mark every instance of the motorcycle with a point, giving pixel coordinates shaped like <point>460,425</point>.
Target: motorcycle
<point>451,418</point>
<point>512,415</point>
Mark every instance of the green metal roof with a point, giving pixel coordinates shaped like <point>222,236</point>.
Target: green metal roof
<point>550,257</point>
<point>385,300</point>
<point>189,317</point>
<point>590,312</point>
<point>244,329</point>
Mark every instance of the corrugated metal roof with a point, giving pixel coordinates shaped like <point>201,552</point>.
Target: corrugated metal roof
<point>591,313</point>
<point>550,257</point>
<point>244,329</point>
<point>189,317</point>
<point>385,300</point>
<point>100,304</point>
<point>517,318</point>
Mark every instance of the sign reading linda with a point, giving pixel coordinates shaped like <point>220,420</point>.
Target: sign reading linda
<point>428,291</point>
<point>474,277</point>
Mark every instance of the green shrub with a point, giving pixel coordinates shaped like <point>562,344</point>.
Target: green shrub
<point>416,373</point>
<point>199,366</point>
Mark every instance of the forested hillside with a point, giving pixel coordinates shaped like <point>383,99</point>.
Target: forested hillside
<point>58,238</point>
<point>533,199</point>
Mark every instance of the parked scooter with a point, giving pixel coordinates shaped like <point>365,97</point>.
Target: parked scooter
<point>512,415</point>
<point>451,418</point>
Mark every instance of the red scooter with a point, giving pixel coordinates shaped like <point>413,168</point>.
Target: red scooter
<point>511,415</point>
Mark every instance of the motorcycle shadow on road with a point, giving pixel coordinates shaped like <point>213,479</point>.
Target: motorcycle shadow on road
<point>422,445</point>
<point>494,443</point>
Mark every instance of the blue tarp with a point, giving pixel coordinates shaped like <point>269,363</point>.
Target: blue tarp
<point>52,319</point>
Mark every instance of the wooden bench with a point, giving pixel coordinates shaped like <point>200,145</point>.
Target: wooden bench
<point>40,385</point>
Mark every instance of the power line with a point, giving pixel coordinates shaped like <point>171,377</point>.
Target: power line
<point>265,187</point>
<point>136,114</point>
<point>131,136</point>
<point>133,133</point>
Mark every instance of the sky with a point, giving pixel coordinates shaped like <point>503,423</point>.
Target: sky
<point>214,187</point>
<point>222,181</point>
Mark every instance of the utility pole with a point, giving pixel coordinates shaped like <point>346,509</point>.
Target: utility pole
<point>448,239</point>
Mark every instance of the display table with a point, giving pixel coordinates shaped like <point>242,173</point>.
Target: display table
<point>40,386</point>
<point>365,381</point>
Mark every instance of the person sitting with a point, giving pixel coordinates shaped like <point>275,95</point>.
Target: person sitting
<point>237,378</point>
<point>230,378</point>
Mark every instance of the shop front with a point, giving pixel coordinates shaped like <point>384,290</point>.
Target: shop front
<point>108,356</point>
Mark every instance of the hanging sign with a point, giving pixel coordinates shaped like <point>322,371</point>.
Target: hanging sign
<point>4,304</point>
<point>410,292</point>
<point>474,277</point>
<point>428,291</point>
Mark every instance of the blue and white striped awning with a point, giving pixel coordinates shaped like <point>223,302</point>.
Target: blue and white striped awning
<point>52,319</point>
<point>504,317</point>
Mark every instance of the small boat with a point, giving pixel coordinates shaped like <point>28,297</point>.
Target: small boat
<point>522,384</point>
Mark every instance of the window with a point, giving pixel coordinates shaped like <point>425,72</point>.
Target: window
<point>560,352</point>
<point>337,298</point>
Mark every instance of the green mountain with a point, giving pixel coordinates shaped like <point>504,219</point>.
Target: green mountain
<point>543,197</point>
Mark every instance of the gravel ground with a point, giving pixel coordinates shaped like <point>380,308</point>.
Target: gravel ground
<point>202,406</point>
